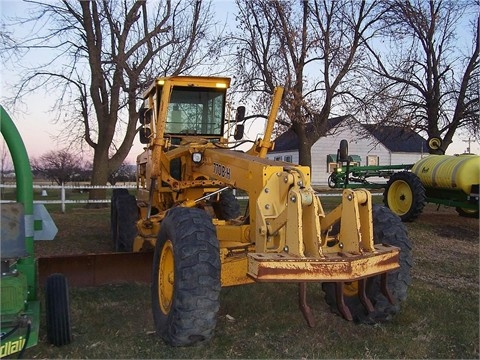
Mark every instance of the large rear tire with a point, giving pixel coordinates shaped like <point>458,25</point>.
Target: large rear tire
<point>227,207</point>
<point>186,278</point>
<point>57,306</point>
<point>113,210</point>
<point>405,195</point>
<point>123,221</point>
<point>387,229</point>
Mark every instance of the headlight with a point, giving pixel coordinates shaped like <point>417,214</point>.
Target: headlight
<point>197,157</point>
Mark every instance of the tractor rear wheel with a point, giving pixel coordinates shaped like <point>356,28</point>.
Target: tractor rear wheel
<point>123,219</point>
<point>405,195</point>
<point>57,310</point>
<point>387,229</point>
<point>186,278</point>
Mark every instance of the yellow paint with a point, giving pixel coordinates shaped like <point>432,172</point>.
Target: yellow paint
<point>287,237</point>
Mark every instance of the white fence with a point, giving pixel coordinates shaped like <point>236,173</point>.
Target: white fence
<point>63,200</point>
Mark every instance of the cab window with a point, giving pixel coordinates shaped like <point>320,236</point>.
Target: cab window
<point>196,111</point>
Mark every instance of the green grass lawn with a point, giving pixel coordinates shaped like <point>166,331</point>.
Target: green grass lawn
<point>440,318</point>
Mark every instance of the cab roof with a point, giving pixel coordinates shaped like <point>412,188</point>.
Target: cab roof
<point>192,81</point>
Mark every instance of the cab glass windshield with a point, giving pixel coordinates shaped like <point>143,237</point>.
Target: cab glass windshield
<point>196,111</point>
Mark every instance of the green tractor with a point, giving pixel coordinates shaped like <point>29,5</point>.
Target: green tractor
<point>449,180</point>
<point>20,305</point>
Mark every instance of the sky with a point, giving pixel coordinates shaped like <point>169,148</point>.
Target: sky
<point>35,120</point>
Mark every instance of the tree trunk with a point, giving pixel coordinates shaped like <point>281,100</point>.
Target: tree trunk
<point>304,147</point>
<point>100,174</point>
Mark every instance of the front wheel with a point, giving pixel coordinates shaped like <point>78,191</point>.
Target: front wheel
<point>470,213</point>
<point>389,230</point>
<point>332,181</point>
<point>57,306</point>
<point>186,278</point>
<point>405,195</point>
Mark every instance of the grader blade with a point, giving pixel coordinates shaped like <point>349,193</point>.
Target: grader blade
<point>98,269</point>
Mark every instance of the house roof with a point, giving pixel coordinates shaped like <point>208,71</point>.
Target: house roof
<point>395,139</point>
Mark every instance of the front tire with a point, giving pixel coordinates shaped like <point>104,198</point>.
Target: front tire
<point>332,182</point>
<point>57,306</point>
<point>186,278</point>
<point>405,195</point>
<point>387,229</point>
<point>469,213</point>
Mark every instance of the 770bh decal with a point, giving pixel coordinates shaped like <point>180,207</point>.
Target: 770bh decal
<point>221,170</point>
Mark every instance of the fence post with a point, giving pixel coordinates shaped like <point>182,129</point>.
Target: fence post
<point>63,198</point>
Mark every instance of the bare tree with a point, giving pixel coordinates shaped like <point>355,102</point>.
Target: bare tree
<point>7,44</point>
<point>6,165</point>
<point>125,172</point>
<point>312,48</point>
<point>105,53</point>
<point>425,79</point>
<point>60,166</point>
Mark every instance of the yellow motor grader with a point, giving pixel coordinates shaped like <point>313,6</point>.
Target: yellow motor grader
<point>186,211</point>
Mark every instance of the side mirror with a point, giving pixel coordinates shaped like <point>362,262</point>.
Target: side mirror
<point>239,130</point>
<point>240,116</point>
<point>145,134</point>
<point>141,115</point>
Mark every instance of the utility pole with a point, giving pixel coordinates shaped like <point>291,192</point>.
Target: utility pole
<point>469,141</point>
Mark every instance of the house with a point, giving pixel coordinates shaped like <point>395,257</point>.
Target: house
<point>369,144</point>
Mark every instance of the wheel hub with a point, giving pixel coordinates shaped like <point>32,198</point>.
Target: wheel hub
<point>166,277</point>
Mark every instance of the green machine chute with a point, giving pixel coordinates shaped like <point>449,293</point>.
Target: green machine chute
<point>20,306</point>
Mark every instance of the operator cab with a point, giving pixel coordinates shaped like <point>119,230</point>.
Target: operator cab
<point>182,106</point>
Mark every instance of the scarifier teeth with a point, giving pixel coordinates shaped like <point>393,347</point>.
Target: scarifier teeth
<point>340,298</point>
<point>304,308</point>
<point>384,288</point>
<point>363,296</point>
<point>342,308</point>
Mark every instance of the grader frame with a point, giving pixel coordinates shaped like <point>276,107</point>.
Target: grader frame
<point>285,235</point>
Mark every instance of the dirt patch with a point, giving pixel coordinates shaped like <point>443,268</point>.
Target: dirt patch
<point>446,249</point>
<point>456,232</point>
<point>445,222</point>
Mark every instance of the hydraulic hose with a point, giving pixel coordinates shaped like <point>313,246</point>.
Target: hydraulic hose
<point>11,332</point>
